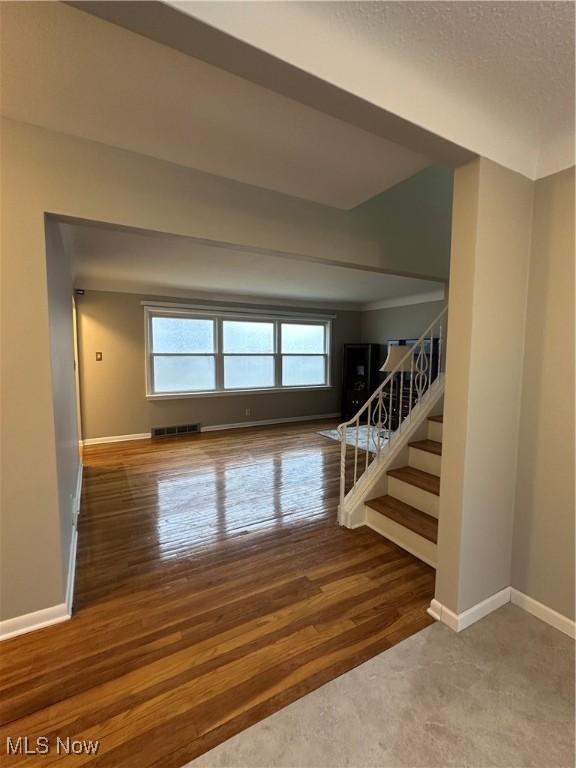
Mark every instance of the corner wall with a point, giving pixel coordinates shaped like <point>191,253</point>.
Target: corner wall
<point>492,224</point>
<point>412,220</point>
<point>406,322</point>
<point>543,544</point>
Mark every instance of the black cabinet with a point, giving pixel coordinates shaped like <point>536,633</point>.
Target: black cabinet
<point>360,376</point>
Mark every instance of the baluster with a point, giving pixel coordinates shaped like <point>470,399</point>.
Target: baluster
<point>391,406</point>
<point>411,381</point>
<point>421,367</point>
<point>379,424</point>
<point>440,352</point>
<point>431,356</point>
<point>356,451</point>
<point>343,445</point>
<point>368,434</point>
<point>401,399</point>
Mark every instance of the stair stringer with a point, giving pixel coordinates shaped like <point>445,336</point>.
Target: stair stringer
<point>374,482</point>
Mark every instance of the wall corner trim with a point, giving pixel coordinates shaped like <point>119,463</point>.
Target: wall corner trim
<point>405,301</point>
<point>459,621</point>
<point>29,622</point>
<point>543,612</point>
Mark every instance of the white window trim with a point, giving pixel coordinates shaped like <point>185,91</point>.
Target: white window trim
<point>218,315</point>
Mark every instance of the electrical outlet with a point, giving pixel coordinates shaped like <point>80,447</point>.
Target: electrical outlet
<point>99,357</point>
<point>247,412</point>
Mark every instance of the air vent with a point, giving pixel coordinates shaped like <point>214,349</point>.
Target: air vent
<point>179,429</point>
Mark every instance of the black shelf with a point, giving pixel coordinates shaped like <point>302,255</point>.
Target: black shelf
<point>360,376</point>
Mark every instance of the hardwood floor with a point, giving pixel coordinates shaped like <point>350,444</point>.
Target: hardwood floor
<point>213,588</point>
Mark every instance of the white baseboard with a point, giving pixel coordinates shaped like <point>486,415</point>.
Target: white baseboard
<point>435,610</point>
<point>116,438</point>
<point>543,612</point>
<point>459,621</point>
<point>29,622</point>
<point>211,428</point>
<point>264,422</point>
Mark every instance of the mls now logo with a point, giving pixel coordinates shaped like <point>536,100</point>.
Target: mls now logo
<point>23,745</point>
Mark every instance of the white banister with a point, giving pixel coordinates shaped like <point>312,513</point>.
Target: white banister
<point>413,369</point>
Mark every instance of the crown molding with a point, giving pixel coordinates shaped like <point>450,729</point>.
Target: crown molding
<point>405,301</point>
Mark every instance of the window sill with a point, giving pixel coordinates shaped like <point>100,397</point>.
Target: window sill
<point>228,392</point>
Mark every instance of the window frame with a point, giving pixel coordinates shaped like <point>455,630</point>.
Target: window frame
<point>218,318</point>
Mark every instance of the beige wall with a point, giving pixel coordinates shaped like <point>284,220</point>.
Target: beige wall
<point>460,304</point>
<point>489,275</point>
<point>113,391</point>
<point>408,322</point>
<point>543,552</point>
<point>425,198</point>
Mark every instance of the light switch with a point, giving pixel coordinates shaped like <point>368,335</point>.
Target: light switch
<point>98,357</point>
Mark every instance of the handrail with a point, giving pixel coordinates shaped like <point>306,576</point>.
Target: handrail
<point>425,369</point>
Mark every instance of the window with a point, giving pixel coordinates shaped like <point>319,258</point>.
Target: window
<point>190,352</point>
<point>248,349</point>
<point>183,354</point>
<point>303,354</point>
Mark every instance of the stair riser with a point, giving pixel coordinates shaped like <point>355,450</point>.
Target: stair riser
<point>412,542</point>
<point>416,497</point>
<point>435,431</point>
<point>424,460</point>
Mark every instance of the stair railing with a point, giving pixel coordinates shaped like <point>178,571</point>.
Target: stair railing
<point>410,380</point>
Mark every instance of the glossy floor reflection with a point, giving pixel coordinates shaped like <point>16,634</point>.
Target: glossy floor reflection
<point>213,587</point>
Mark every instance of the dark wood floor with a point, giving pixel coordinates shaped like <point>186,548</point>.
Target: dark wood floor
<point>213,588</point>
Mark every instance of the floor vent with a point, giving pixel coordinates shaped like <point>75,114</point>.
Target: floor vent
<point>180,429</point>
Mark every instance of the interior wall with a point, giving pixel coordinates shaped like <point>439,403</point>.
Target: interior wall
<point>406,322</point>
<point>426,198</point>
<point>31,572</point>
<point>543,544</point>
<point>60,318</point>
<point>492,225</point>
<point>114,394</point>
<point>47,172</point>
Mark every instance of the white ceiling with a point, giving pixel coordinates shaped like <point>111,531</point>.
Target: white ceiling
<point>123,260</point>
<point>494,77</point>
<point>69,71</point>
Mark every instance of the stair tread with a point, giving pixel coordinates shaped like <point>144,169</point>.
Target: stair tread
<point>431,446</point>
<point>417,477</point>
<point>409,517</point>
<point>439,419</point>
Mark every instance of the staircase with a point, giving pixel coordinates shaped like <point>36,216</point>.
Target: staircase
<point>391,429</point>
<point>408,513</point>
